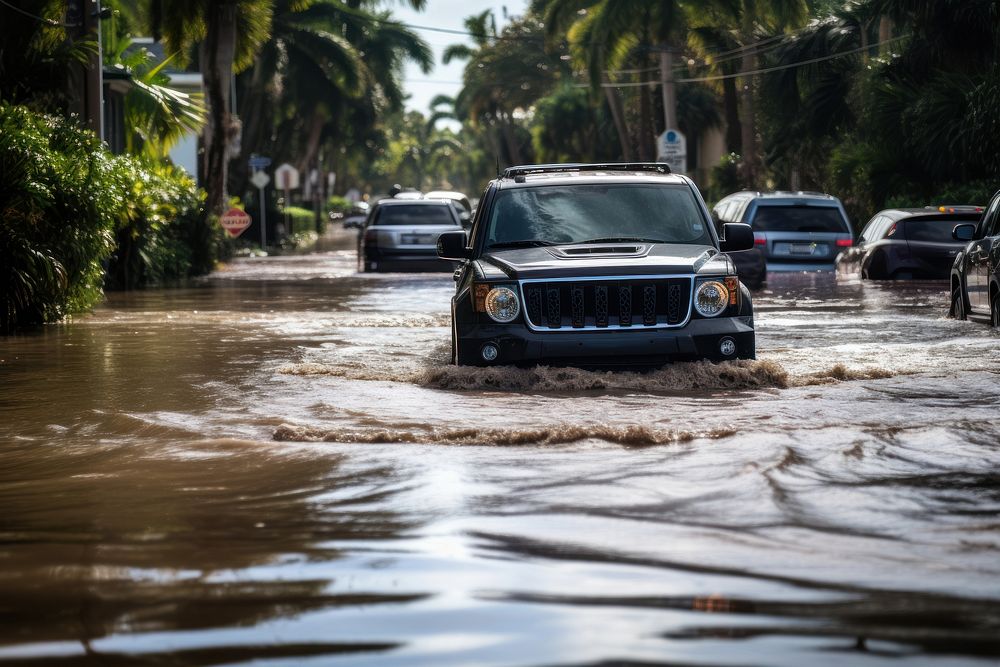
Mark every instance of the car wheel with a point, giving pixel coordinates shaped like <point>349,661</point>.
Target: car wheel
<point>995,309</point>
<point>876,268</point>
<point>957,303</point>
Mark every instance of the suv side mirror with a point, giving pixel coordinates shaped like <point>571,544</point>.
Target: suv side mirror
<point>738,236</point>
<point>965,232</point>
<point>452,245</point>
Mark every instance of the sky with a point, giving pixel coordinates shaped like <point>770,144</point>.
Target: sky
<point>450,14</point>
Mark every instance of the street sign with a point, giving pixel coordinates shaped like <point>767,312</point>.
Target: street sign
<point>287,177</point>
<point>671,147</point>
<point>259,161</point>
<point>235,221</point>
<point>260,179</point>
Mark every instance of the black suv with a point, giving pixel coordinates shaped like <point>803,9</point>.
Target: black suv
<point>975,276</point>
<point>597,264</point>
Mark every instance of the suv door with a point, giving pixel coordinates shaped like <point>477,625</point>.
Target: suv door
<point>977,259</point>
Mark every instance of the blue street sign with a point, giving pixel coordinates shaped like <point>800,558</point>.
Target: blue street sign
<point>259,161</point>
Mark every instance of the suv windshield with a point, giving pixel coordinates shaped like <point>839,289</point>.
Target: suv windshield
<point>799,219</point>
<point>555,214</point>
<point>415,214</point>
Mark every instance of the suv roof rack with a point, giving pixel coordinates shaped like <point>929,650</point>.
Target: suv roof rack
<point>529,169</point>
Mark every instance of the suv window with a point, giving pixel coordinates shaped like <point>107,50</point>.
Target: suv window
<point>937,230</point>
<point>799,219</point>
<point>874,229</point>
<point>578,213</point>
<point>415,215</point>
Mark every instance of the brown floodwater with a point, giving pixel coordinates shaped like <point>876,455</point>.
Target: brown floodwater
<point>277,465</point>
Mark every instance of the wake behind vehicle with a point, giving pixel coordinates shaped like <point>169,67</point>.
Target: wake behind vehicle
<point>909,243</point>
<point>795,231</point>
<point>597,264</point>
<point>402,234</point>
<point>975,275</point>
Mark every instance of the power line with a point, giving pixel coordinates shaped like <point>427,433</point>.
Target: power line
<point>764,70</point>
<point>51,22</point>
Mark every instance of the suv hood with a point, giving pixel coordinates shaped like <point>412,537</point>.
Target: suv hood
<point>606,259</point>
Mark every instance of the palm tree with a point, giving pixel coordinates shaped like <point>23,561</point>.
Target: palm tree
<point>229,33</point>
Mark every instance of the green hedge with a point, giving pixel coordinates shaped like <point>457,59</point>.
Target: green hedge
<point>67,204</point>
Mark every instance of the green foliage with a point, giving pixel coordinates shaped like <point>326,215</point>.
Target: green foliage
<point>299,220</point>
<point>61,197</point>
<point>68,207</point>
<point>337,204</point>
<point>164,238</point>
<point>725,177</point>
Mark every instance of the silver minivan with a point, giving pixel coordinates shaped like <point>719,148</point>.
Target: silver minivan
<point>403,233</point>
<point>796,231</point>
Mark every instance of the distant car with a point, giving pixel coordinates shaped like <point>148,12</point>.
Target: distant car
<point>357,216</point>
<point>975,275</point>
<point>408,194</point>
<point>403,234</point>
<point>462,202</point>
<point>795,231</point>
<point>908,243</point>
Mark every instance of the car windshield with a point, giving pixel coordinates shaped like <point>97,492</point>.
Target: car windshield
<point>799,219</point>
<point>415,214</point>
<point>557,214</point>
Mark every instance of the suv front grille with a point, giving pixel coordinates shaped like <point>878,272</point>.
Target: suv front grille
<point>607,303</point>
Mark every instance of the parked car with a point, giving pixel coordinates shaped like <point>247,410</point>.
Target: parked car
<point>597,264</point>
<point>975,278</point>
<point>355,219</point>
<point>461,201</point>
<point>908,243</point>
<point>795,231</point>
<point>751,267</point>
<point>403,234</point>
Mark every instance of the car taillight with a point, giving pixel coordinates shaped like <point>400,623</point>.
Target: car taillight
<point>759,239</point>
<point>844,243</point>
<point>371,237</point>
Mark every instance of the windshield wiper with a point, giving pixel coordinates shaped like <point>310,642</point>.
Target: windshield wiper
<point>526,243</point>
<point>621,239</point>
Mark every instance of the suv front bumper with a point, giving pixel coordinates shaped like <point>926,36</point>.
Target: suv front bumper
<point>698,339</point>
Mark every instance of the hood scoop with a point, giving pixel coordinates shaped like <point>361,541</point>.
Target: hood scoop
<point>601,250</point>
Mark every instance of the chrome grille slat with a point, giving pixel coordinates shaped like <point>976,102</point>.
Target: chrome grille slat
<point>584,304</point>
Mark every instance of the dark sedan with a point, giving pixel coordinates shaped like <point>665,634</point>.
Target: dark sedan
<point>908,243</point>
<point>975,275</point>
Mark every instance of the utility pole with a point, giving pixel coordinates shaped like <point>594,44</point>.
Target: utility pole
<point>86,15</point>
<point>669,88</point>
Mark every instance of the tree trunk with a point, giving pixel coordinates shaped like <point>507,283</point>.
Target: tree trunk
<point>669,88</point>
<point>312,140</point>
<point>647,137</point>
<point>218,51</point>
<point>884,34</point>
<point>256,114</point>
<point>748,125</point>
<point>508,135</point>
<point>618,116</point>
<point>732,111</point>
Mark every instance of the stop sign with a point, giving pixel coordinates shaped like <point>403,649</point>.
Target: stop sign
<point>235,221</point>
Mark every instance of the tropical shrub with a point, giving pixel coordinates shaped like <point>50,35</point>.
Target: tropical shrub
<point>61,197</point>
<point>69,210</point>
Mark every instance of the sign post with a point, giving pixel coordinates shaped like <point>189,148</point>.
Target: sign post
<point>287,178</point>
<point>671,147</point>
<point>261,179</point>
<point>235,221</point>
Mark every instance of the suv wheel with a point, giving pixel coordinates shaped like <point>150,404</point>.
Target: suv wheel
<point>957,302</point>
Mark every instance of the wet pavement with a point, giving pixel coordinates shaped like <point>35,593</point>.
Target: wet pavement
<point>278,465</point>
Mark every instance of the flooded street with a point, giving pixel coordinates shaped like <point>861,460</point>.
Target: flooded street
<point>279,465</point>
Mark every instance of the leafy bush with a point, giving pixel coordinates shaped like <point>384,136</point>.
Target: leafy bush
<point>338,204</point>
<point>64,203</point>
<point>299,220</point>
<point>61,197</point>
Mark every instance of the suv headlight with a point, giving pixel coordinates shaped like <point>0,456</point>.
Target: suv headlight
<point>711,298</point>
<point>502,304</point>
